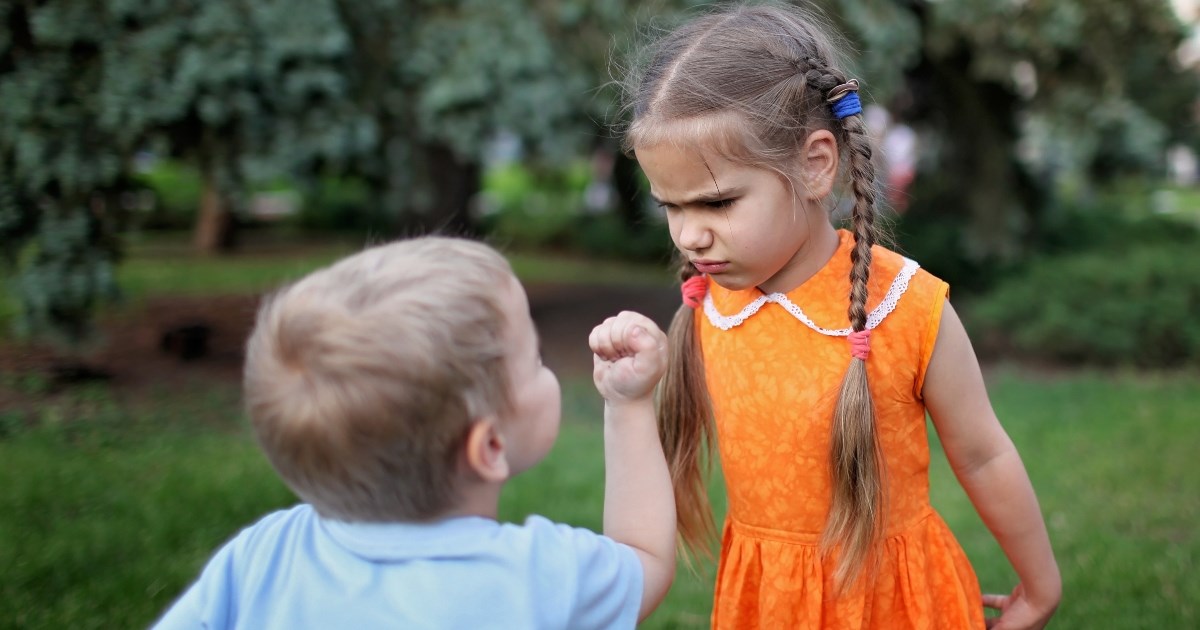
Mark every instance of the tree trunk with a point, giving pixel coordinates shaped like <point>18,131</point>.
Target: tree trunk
<point>979,177</point>
<point>454,182</point>
<point>214,221</point>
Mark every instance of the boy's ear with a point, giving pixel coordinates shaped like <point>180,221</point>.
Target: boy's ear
<point>819,161</point>
<point>485,452</point>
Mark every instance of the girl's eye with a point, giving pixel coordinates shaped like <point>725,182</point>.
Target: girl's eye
<point>720,203</point>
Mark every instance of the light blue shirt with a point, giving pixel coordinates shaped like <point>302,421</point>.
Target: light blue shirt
<point>294,569</point>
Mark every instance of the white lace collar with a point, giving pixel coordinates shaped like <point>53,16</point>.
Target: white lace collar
<point>874,318</point>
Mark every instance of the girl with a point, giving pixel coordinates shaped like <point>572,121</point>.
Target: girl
<point>814,354</point>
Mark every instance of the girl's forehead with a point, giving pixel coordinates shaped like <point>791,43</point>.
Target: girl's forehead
<point>722,134</point>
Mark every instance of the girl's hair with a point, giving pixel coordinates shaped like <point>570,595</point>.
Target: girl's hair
<point>362,378</point>
<point>750,83</point>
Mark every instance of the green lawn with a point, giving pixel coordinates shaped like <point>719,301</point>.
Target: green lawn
<point>108,509</point>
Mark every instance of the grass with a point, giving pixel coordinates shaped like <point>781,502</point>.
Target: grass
<point>109,508</point>
<point>1113,460</point>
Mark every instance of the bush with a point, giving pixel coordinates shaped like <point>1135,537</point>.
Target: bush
<point>607,236</point>
<point>1135,305</point>
<point>177,189</point>
<point>543,208</point>
<point>342,204</point>
<point>532,208</point>
<point>1111,224</point>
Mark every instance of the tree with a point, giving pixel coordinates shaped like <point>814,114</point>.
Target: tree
<point>235,87</point>
<point>1092,82</point>
<point>439,79</point>
<point>406,93</point>
<point>61,162</point>
<point>232,85</point>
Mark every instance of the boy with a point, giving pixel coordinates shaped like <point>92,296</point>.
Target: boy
<point>395,393</point>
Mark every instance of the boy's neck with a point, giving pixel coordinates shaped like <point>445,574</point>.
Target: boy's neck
<point>477,499</point>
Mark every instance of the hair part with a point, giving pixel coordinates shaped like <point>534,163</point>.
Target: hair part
<point>362,379</point>
<point>750,84</point>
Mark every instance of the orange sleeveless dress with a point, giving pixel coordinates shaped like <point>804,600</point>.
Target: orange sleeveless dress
<point>773,380</point>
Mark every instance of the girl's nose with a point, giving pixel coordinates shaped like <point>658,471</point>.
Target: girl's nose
<point>693,234</point>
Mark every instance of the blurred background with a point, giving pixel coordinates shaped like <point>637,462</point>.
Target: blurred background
<point>163,163</point>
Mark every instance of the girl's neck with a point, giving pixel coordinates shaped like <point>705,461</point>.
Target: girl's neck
<point>812,256</point>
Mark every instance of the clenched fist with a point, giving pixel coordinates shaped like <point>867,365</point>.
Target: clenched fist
<point>630,356</point>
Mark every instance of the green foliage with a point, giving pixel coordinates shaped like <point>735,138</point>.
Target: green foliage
<point>1084,89</point>
<point>527,208</point>
<point>343,204</point>
<point>66,275</point>
<point>401,95</point>
<point>607,236</point>
<point>176,188</point>
<point>1134,306</point>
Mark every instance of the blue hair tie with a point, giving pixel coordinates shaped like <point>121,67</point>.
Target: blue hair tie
<point>845,99</point>
<point>847,106</point>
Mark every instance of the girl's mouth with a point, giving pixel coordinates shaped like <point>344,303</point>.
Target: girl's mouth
<point>710,266</point>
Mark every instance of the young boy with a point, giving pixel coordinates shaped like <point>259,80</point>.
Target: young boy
<point>395,393</point>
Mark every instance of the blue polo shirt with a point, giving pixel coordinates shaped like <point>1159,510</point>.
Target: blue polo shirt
<point>294,569</point>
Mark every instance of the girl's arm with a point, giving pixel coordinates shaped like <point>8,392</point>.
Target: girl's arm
<point>990,470</point>
<point>639,504</point>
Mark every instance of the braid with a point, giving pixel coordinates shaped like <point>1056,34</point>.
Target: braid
<point>821,77</point>
<point>862,180</point>
<point>856,518</point>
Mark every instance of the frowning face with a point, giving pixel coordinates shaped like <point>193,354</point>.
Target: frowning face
<point>740,224</point>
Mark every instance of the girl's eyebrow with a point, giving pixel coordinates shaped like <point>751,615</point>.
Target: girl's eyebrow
<point>703,197</point>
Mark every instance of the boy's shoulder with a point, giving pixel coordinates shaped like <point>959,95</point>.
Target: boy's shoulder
<point>537,573</point>
<point>462,537</point>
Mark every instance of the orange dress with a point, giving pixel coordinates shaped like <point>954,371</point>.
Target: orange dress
<point>773,379</point>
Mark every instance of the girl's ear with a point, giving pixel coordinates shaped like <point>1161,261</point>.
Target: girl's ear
<point>819,163</point>
<point>484,451</point>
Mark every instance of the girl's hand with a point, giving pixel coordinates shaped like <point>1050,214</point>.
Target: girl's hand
<point>1017,612</point>
<point>630,356</point>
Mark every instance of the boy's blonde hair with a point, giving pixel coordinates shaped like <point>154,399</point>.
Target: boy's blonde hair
<point>362,378</point>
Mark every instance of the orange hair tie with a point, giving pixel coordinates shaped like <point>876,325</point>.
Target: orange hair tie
<point>694,289</point>
<point>860,344</point>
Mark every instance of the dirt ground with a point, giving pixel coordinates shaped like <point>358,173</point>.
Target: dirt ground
<point>146,348</point>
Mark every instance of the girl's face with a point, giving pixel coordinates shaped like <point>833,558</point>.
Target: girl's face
<point>740,224</point>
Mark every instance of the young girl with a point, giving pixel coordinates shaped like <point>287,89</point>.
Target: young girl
<point>813,353</point>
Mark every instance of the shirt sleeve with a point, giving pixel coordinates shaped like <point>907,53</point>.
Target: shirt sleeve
<point>607,576</point>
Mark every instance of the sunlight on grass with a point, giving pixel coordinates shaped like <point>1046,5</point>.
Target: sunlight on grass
<point>108,510</point>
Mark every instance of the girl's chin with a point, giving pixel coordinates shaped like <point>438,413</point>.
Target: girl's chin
<point>731,282</point>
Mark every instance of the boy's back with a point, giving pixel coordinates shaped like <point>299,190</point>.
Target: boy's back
<point>295,569</point>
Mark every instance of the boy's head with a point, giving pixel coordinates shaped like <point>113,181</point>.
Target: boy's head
<point>364,380</point>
